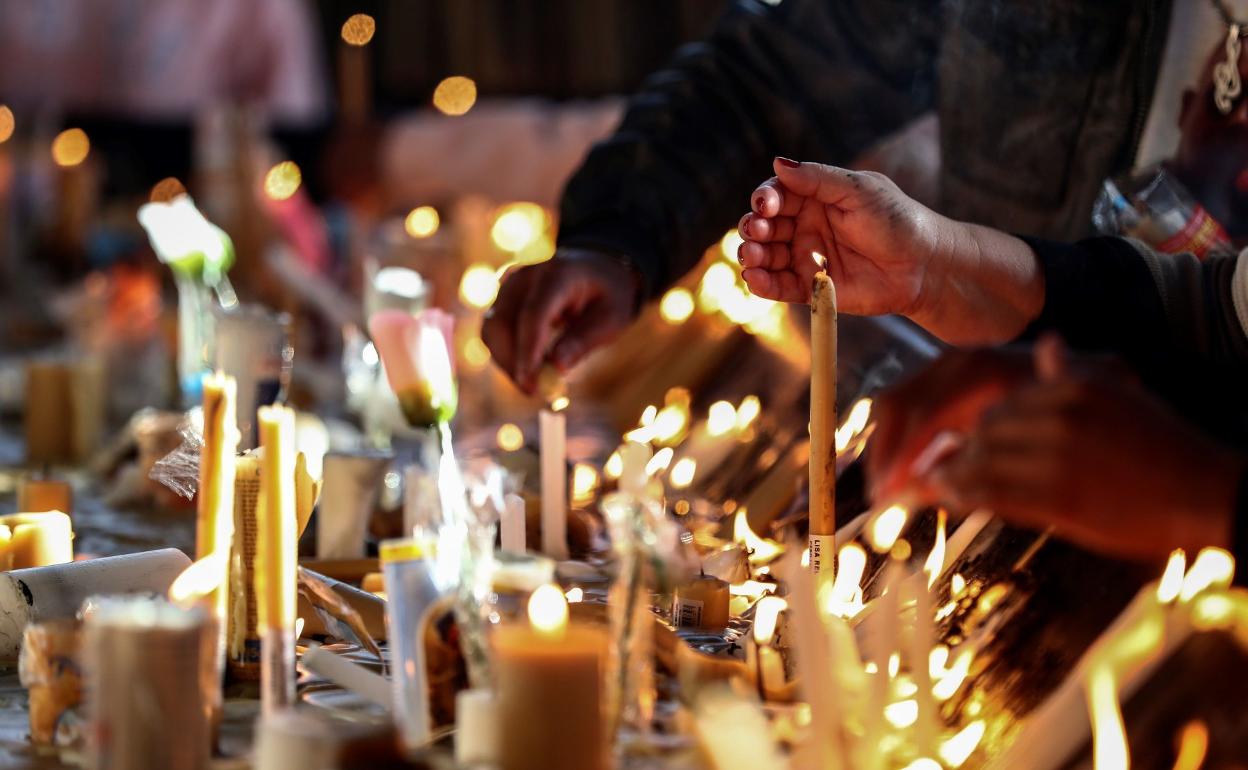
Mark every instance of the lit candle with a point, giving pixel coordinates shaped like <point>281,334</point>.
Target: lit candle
<point>549,676</point>
<point>922,639</point>
<point>39,539</point>
<point>822,422</point>
<point>702,603</point>
<point>214,528</point>
<point>769,663</point>
<point>276,556</point>
<point>553,427</point>
<point>35,495</point>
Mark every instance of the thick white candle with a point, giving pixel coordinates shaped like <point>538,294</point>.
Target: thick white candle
<point>511,524</point>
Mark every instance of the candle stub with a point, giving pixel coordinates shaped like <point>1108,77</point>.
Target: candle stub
<point>702,603</point>
<point>40,495</point>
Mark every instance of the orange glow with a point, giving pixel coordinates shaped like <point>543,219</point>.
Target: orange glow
<point>760,549</point>
<point>7,124</point>
<point>1172,579</point>
<point>766,615</point>
<point>886,527</point>
<point>70,147</point>
<point>455,95</point>
<point>854,424</point>
<point>166,190</point>
<point>1193,746</point>
<point>359,29</point>
<point>935,563</point>
<point>959,748</point>
<point>1212,568</point>
<point>676,306</point>
<point>198,580</point>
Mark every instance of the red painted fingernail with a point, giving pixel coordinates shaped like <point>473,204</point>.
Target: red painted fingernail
<point>759,201</point>
<point>786,162</point>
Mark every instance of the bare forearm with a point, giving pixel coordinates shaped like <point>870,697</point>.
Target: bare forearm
<point>983,286</point>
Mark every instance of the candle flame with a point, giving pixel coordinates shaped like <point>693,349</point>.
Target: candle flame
<point>959,748</point>
<point>903,713</point>
<point>747,412</point>
<point>548,610</point>
<point>517,225</point>
<point>957,584</point>
<point>761,550</point>
<point>1213,568</point>
<point>1109,736</point>
<point>560,403</point>
<point>935,563</point>
<point>614,466</point>
<point>479,286</point>
<point>1193,745</point>
<point>766,615</point>
<point>886,527</point>
<point>661,460</point>
<point>923,763</point>
<point>676,305</point>
<point>752,589</point>
<point>936,661</point>
<point>575,595</point>
<point>721,418</point>
<point>683,472</point>
<point>1172,579</point>
<point>422,222</point>
<point>729,244</point>
<point>844,597</point>
<point>584,483</point>
<point>198,580</point>
<point>299,624</point>
<point>948,681</point>
<point>854,424</point>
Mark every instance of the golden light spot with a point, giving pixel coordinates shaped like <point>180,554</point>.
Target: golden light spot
<point>7,124</point>
<point>902,713</point>
<point>614,466</point>
<point>1193,746</point>
<point>721,418</point>
<point>475,353</point>
<point>660,461</point>
<point>422,222</point>
<point>747,412</point>
<point>681,508</point>
<point>359,29</point>
<point>584,483</point>
<point>510,437</point>
<point>479,286</point>
<point>517,225</point>
<point>166,190</point>
<point>575,595</point>
<point>959,748</point>
<point>1172,579</point>
<point>682,472</point>
<point>676,305</point>
<point>729,244</point>
<point>455,95</point>
<point>887,527</point>
<point>283,180</point>
<point>70,147</point>
<point>548,611</point>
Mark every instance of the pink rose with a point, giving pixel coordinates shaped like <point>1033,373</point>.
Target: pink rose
<point>416,353</point>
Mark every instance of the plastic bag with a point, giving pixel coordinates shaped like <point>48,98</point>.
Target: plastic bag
<point>179,470</point>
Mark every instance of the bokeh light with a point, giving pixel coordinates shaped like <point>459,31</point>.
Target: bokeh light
<point>282,181</point>
<point>510,437</point>
<point>455,95</point>
<point>729,244</point>
<point>476,353</point>
<point>422,222</point>
<point>166,190</point>
<point>70,147</point>
<point>519,225</point>
<point>359,29</point>
<point>676,305</point>
<point>479,286</point>
<point>7,124</point>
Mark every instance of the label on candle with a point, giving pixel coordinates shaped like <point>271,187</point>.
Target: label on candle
<point>820,548</point>
<point>687,612</point>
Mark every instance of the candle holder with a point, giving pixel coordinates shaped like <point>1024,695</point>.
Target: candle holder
<point>277,670</point>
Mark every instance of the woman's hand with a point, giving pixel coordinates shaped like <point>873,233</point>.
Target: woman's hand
<point>886,253</point>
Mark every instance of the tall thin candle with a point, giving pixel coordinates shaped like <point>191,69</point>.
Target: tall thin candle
<point>276,556</point>
<point>214,530</point>
<point>553,427</point>
<point>822,422</point>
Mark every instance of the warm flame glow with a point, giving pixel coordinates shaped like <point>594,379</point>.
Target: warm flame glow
<point>752,589</point>
<point>844,597</point>
<point>761,550</point>
<point>721,418</point>
<point>575,595</point>
<point>886,527</point>
<point>166,190</point>
<point>359,29</point>
<point>948,681</point>
<point>518,225</point>
<point>1213,568</point>
<point>748,412</point>
<point>729,244</point>
<point>1172,579</point>
<point>510,437</point>
<point>422,222</point>
<point>283,180</point>
<point>614,466</point>
<point>854,424</point>
<point>70,147</point>
<point>935,563</point>
<point>676,305</point>
<point>957,584</point>
<point>7,124</point>
<point>647,416</point>
<point>1193,745</point>
<point>548,610</point>
<point>766,615</point>
<point>198,580</point>
<point>584,483</point>
<point>299,624</point>
<point>959,748</point>
<point>455,95</point>
<point>902,713</point>
<point>683,472</point>
<point>1109,736</point>
<point>479,286</point>
<point>660,461</point>
<point>718,279</point>
<point>560,403</point>
<point>923,763</point>
<point>936,661</point>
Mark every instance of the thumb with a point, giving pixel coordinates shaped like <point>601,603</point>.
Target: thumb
<point>827,184</point>
<point>1051,358</point>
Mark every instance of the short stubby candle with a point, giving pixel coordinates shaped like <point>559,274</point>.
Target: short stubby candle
<point>550,692</point>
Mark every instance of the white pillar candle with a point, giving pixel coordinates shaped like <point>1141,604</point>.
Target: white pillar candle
<point>476,728</point>
<point>512,524</point>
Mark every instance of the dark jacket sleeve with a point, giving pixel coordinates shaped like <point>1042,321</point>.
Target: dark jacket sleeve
<point>1171,316</point>
<point>809,79</point>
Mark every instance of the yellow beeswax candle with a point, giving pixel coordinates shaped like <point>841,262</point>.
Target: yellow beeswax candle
<point>822,423</point>
<point>38,495</point>
<point>549,677</point>
<point>702,603</point>
<point>39,539</point>
<point>276,547</point>
<point>6,550</point>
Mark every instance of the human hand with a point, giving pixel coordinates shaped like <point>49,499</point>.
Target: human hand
<point>1100,460</point>
<point>886,253</point>
<point>559,310</point>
